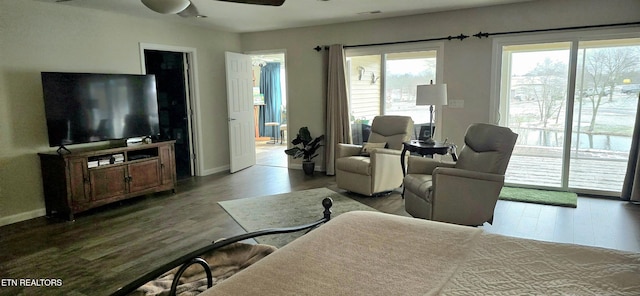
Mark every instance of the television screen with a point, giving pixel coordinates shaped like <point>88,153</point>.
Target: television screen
<point>85,107</point>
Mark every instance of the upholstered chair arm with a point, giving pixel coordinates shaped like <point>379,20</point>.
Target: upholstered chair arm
<point>387,151</point>
<point>425,165</point>
<point>386,170</point>
<point>464,197</point>
<point>344,150</point>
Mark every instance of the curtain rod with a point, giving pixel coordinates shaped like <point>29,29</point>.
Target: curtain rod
<point>486,35</point>
<point>459,37</point>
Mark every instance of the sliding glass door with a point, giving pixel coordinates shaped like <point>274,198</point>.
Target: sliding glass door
<point>605,102</point>
<point>403,73</point>
<point>573,104</point>
<point>383,81</point>
<point>534,95</point>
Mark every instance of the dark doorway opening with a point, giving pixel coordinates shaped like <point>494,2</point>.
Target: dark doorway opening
<point>171,83</point>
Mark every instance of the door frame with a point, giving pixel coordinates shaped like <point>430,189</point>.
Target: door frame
<point>286,85</point>
<point>192,98</point>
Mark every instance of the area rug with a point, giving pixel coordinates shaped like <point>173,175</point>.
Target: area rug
<point>288,209</point>
<point>546,197</point>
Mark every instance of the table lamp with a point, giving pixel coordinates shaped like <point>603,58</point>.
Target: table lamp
<point>432,95</point>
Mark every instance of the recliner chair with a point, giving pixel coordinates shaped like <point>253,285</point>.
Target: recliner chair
<point>380,171</point>
<point>464,192</point>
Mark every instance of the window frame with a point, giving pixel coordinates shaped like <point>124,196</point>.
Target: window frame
<point>382,50</point>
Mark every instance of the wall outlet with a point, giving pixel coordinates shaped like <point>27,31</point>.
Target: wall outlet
<point>457,104</point>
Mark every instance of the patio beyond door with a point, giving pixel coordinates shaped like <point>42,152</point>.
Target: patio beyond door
<point>573,104</point>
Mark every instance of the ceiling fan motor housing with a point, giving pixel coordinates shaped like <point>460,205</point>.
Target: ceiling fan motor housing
<point>166,6</point>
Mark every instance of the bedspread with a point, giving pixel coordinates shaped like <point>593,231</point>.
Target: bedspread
<point>368,253</point>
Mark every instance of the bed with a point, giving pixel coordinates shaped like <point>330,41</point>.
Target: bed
<point>369,253</point>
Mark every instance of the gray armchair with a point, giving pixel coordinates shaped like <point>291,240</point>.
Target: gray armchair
<point>380,170</point>
<point>466,191</point>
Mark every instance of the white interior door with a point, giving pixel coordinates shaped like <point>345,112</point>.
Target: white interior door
<point>242,146</point>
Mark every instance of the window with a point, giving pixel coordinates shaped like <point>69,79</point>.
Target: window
<point>383,80</point>
<point>573,104</point>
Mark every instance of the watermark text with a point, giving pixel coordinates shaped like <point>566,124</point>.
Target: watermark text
<point>26,282</point>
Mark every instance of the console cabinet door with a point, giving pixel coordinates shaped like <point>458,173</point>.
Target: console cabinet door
<point>167,164</point>
<point>108,182</point>
<point>144,175</point>
<point>79,181</point>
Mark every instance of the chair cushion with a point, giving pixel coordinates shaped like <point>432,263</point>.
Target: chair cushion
<point>419,184</point>
<point>366,148</point>
<point>355,164</point>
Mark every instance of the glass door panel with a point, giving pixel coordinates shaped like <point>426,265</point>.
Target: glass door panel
<point>403,73</point>
<point>385,84</point>
<point>534,87</point>
<point>605,102</point>
<point>364,87</point>
<point>364,94</point>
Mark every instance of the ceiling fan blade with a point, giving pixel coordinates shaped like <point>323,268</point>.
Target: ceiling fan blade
<point>191,11</point>
<point>258,2</point>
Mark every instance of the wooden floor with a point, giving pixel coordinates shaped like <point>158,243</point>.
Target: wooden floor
<point>108,247</point>
<point>271,154</point>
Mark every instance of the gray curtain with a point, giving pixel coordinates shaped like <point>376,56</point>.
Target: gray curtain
<point>338,127</point>
<point>631,185</point>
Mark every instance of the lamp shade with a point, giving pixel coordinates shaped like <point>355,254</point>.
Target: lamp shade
<point>166,6</point>
<point>431,94</point>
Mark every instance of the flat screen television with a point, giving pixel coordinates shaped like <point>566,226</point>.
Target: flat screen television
<point>90,107</point>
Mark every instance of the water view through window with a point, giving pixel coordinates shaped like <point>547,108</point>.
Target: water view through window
<point>544,100</point>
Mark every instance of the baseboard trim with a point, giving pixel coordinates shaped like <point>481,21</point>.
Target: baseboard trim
<point>214,170</point>
<point>298,166</point>
<point>22,217</point>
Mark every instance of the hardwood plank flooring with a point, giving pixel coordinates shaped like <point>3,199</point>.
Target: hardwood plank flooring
<point>109,246</point>
<point>271,154</point>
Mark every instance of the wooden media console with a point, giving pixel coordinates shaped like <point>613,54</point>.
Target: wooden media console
<point>85,179</point>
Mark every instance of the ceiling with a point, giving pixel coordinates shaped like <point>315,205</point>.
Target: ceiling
<point>240,18</point>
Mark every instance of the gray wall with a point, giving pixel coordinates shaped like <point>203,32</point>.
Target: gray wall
<point>39,36</point>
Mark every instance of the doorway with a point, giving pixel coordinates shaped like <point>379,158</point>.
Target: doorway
<point>172,85</point>
<point>270,108</point>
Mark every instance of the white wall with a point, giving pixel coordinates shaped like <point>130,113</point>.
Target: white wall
<point>39,36</point>
<point>467,64</point>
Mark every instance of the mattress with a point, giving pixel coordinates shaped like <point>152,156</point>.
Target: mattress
<point>369,253</point>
